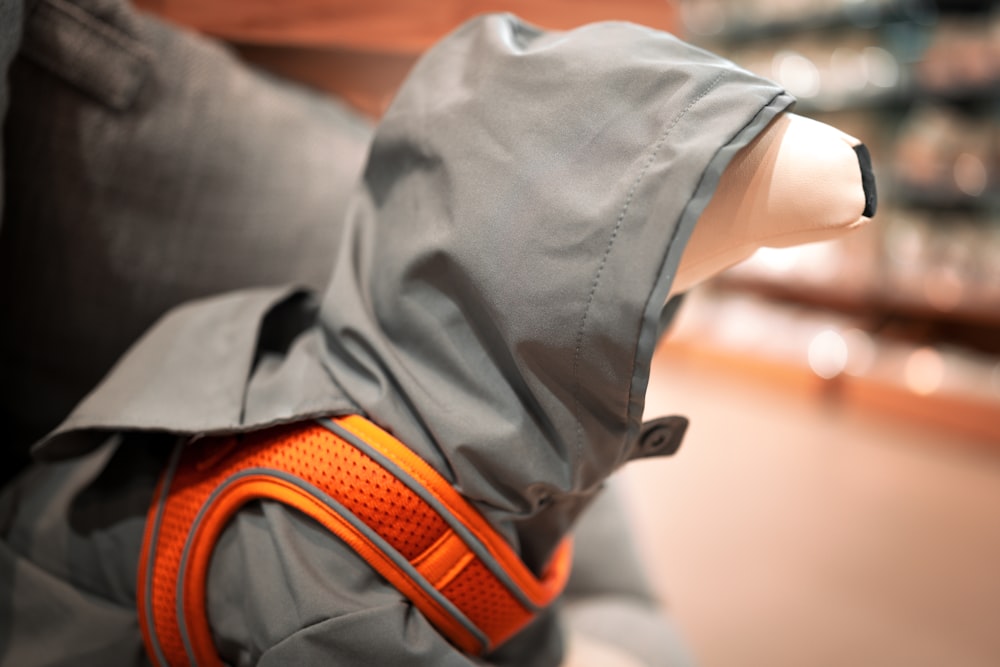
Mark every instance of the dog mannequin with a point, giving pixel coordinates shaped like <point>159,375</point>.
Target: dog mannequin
<point>800,182</point>
<point>493,303</point>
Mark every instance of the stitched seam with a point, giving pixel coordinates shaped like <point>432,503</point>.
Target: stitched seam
<point>673,237</point>
<point>577,353</point>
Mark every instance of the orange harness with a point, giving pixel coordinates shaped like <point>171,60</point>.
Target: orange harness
<point>367,488</point>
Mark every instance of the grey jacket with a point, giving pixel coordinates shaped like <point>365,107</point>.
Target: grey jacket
<point>495,299</point>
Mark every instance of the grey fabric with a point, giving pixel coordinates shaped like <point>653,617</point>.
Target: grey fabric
<point>495,299</point>
<point>71,534</point>
<point>496,296</point>
<point>55,624</point>
<point>223,349</point>
<point>144,167</point>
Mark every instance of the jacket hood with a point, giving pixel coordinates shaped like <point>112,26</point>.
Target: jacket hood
<point>498,292</point>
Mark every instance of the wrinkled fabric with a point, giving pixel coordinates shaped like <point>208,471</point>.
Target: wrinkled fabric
<point>68,558</point>
<point>497,292</point>
<point>495,297</point>
<point>282,590</point>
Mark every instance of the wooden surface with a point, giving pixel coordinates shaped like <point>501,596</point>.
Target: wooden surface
<point>793,529</point>
<point>361,51</point>
<point>385,26</point>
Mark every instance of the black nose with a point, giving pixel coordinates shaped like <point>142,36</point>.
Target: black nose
<point>867,180</point>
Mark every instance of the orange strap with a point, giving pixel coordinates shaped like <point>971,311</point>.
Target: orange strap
<point>367,488</point>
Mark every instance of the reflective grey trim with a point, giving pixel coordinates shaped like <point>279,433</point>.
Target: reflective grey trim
<point>656,304</point>
<point>168,478</point>
<point>470,540</point>
<point>396,557</point>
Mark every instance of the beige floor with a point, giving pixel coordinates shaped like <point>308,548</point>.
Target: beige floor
<point>789,532</point>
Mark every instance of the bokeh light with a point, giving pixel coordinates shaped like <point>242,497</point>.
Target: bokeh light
<point>827,354</point>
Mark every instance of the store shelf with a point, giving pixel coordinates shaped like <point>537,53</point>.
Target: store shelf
<point>806,350</point>
<point>917,293</point>
<point>904,265</point>
<point>858,15</point>
<point>754,22</point>
<point>941,52</point>
<point>906,94</point>
<point>871,304</point>
<point>944,197</point>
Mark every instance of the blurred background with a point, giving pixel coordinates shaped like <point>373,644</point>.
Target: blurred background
<point>837,499</point>
<point>904,316</point>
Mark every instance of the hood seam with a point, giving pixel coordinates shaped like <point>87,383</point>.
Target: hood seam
<point>578,350</point>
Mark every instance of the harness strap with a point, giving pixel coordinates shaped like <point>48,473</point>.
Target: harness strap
<point>368,489</point>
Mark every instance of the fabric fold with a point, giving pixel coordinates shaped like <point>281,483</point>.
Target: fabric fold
<point>188,375</point>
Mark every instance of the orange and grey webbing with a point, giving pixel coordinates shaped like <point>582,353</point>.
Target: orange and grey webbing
<point>367,488</point>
